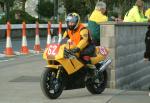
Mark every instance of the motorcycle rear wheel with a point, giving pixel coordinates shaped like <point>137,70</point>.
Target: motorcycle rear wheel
<point>51,87</point>
<point>97,88</point>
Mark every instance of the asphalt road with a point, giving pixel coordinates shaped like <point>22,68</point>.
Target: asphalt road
<point>20,83</point>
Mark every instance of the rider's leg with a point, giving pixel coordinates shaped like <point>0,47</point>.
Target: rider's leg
<point>88,63</point>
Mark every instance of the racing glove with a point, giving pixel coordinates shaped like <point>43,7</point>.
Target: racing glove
<point>75,50</point>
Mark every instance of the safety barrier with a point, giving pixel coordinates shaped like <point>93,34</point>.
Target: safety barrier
<point>37,46</point>
<point>48,35</point>
<point>31,26</point>
<point>8,51</point>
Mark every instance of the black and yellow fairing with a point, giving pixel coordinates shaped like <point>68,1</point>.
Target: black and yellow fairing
<point>70,65</point>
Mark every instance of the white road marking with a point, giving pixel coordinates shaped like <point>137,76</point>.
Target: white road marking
<point>17,53</point>
<point>2,55</point>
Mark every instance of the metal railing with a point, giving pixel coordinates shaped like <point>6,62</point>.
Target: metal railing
<point>30,26</point>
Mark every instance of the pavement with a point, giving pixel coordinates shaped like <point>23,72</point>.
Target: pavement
<point>131,97</point>
<point>20,83</point>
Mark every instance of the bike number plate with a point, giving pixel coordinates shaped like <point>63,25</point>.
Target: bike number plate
<point>52,49</point>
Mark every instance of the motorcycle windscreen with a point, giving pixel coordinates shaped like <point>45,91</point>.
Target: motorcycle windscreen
<point>44,54</point>
<point>71,65</point>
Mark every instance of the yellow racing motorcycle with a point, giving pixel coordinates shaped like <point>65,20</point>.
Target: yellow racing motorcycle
<point>66,71</point>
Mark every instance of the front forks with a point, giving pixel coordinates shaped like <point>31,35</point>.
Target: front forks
<point>58,73</point>
<point>56,82</point>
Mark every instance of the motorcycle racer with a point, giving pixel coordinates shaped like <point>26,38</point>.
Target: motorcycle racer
<point>79,35</point>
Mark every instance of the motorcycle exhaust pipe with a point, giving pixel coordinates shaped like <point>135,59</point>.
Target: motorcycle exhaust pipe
<point>105,64</point>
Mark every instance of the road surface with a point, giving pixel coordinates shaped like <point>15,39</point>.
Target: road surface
<point>20,83</point>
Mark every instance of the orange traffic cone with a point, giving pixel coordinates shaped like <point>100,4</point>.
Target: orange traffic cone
<point>24,48</point>
<point>48,35</point>
<point>9,50</point>
<point>37,47</point>
<point>60,32</point>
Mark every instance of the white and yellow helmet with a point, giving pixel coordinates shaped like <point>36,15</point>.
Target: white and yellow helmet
<point>73,17</point>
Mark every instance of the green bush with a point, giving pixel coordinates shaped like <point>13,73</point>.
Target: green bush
<point>45,9</point>
<point>23,17</point>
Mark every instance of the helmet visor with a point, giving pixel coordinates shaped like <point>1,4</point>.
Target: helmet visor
<point>71,19</point>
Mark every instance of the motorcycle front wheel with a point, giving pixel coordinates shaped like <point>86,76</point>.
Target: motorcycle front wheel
<point>51,87</point>
<point>97,85</point>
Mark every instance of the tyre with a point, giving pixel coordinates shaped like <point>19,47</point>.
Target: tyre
<point>51,87</point>
<point>97,84</point>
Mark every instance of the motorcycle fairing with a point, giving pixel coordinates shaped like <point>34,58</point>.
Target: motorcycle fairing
<point>71,65</point>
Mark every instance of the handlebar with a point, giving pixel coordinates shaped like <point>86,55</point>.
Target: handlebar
<point>69,54</point>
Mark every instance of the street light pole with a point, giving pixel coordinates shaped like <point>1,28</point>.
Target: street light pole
<point>55,9</point>
<point>7,9</point>
<point>39,3</point>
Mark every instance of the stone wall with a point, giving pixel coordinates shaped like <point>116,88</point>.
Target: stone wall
<point>126,44</point>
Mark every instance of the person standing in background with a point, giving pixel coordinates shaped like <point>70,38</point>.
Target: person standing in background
<point>147,13</point>
<point>147,38</point>
<point>147,44</point>
<point>97,16</point>
<point>135,14</point>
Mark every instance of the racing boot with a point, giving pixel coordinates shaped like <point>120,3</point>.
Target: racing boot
<point>93,72</point>
<point>92,68</point>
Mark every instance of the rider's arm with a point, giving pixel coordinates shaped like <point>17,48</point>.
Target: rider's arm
<point>65,34</point>
<point>84,39</point>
